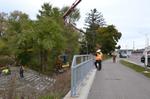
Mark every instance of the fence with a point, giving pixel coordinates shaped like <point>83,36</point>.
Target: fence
<point>81,66</point>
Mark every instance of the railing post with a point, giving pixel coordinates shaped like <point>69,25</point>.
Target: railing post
<point>73,90</point>
<point>73,77</point>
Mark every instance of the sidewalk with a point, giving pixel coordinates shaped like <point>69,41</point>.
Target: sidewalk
<point>116,81</point>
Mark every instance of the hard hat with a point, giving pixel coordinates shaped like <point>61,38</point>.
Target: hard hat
<point>98,50</point>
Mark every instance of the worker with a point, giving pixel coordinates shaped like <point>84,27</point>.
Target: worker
<point>5,71</point>
<point>98,59</point>
<point>21,71</point>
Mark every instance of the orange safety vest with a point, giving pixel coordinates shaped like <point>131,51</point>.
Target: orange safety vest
<point>99,56</point>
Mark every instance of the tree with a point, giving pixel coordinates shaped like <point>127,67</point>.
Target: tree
<point>3,23</point>
<point>108,37</point>
<point>46,11</point>
<point>37,43</point>
<point>72,33</point>
<point>3,28</point>
<point>73,17</point>
<point>18,36</point>
<point>93,21</point>
<point>48,29</point>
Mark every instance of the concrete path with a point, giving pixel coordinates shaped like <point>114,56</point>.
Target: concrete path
<point>116,81</point>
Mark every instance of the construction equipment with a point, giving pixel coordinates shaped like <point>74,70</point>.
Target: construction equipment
<point>71,9</point>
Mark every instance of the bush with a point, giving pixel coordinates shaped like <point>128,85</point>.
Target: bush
<point>6,60</point>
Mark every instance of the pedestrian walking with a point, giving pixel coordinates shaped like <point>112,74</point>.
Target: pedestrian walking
<point>98,59</point>
<point>21,71</point>
<point>114,55</point>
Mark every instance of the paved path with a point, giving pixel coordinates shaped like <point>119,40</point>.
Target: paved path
<point>116,81</point>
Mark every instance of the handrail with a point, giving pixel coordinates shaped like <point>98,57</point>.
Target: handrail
<point>81,66</point>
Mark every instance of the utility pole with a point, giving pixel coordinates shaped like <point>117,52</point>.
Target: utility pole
<point>133,45</point>
<point>146,40</point>
<point>147,48</point>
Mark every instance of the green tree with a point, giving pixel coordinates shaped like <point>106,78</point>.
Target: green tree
<point>73,17</point>
<point>18,36</point>
<point>37,43</point>
<point>71,33</point>
<point>93,21</point>
<point>3,27</point>
<point>49,28</point>
<point>53,35</point>
<point>3,23</point>
<point>108,37</point>
<point>48,36</point>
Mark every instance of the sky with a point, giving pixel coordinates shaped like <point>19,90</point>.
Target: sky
<point>131,17</point>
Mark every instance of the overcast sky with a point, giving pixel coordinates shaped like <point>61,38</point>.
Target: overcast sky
<point>131,17</point>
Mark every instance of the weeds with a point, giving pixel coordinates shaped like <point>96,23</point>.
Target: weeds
<point>56,91</point>
<point>60,88</point>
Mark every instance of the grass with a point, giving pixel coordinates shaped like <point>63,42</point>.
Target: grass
<point>52,96</point>
<point>135,67</point>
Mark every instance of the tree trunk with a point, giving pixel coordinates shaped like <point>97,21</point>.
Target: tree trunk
<point>43,59</point>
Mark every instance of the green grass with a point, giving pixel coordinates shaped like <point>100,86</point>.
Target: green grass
<point>52,96</point>
<point>135,67</point>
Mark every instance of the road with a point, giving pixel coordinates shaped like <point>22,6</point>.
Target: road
<point>136,58</point>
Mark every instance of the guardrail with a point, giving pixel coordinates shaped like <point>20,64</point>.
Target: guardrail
<point>81,66</point>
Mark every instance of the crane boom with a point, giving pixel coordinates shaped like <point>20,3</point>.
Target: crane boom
<point>71,8</point>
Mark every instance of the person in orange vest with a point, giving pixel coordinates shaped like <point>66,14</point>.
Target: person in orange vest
<point>98,58</point>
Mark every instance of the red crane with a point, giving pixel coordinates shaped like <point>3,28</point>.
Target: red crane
<point>71,8</point>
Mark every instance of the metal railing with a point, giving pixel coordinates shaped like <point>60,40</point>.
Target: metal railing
<point>81,66</point>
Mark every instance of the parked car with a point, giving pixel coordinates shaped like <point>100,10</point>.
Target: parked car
<point>123,55</point>
<point>143,59</point>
